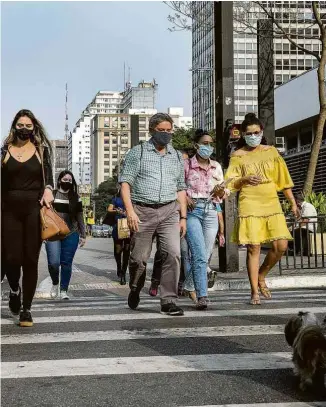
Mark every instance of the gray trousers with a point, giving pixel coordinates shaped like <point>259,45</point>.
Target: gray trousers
<point>164,222</point>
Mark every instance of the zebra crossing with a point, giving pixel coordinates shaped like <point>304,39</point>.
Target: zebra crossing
<point>94,351</point>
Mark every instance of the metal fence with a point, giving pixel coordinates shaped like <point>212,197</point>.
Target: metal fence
<point>307,251</point>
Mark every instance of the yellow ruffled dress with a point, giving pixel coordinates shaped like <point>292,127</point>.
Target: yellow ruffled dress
<point>261,218</point>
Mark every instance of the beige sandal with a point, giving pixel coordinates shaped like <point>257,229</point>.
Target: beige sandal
<point>255,300</point>
<point>265,291</point>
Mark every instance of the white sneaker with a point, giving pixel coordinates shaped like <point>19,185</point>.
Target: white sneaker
<point>54,291</point>
<point>64,295</point>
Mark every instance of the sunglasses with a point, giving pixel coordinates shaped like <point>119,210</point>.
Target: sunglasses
<point>254,133</point>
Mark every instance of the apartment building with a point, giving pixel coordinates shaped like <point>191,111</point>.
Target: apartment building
<point>60,157</point>
<point>288,61</point>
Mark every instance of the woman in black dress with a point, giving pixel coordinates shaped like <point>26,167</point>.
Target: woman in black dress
<point>24,191</point>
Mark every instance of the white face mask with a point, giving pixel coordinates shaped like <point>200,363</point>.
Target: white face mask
<point>253,140</point>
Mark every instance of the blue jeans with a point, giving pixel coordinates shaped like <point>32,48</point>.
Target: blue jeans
<point>202,227</point>
<point>61,253</point>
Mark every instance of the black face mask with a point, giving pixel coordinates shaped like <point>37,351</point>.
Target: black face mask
<point>24,134</point>
<point>65,185</point>
<point>162,138</point>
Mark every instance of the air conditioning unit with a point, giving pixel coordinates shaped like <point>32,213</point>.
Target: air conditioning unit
<point>279,141</point>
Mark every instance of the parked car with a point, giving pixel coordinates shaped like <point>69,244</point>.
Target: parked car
<point>107,231</point>
<point>97,231</point>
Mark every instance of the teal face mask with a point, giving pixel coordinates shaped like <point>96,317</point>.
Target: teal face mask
<point>205,151</point>
<point>253,140</point>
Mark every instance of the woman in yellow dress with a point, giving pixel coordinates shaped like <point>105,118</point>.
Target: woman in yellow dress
<point>258,172</point>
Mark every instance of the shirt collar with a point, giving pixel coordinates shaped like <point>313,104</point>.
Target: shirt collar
<point>195,164</point>
<point>151,147</point>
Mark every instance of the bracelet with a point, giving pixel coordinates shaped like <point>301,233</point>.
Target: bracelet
<point>49,187</point>
<point>183,217</point>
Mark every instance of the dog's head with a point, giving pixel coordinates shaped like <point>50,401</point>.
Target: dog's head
<point>294,325</point>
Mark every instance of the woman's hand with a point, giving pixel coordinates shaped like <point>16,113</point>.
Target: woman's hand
<point>190,204</point>
<point>296,212</point>
<point>218,191</point>
<point>251,180</point>
<point>133,221</point>
<point>82,242</point>
<point>47,198</point>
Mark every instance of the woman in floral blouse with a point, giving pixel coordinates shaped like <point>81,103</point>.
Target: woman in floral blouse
<point>203,177</point>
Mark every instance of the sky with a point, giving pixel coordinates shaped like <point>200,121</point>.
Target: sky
<point>46,44</point>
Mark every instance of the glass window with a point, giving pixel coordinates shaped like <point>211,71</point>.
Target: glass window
<point>278,46</point>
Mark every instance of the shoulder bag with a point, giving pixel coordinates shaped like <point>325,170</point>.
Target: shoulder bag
<point>53,227</point>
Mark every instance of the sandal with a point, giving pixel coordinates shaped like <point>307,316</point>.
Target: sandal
<point>265,291</point>
<point>255,300</point>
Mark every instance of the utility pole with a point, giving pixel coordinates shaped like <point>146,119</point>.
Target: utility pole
<point>119,152</point>
<point>66,117</point>
<point>224,93</point>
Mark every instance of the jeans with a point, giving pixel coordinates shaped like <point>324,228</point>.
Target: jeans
<point>202,227</point>
<point>61,253</point>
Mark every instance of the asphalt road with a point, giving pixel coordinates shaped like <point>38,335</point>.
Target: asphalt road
<point>94,351</point>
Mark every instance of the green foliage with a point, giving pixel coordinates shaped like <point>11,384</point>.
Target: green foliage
<point>106,190</point>
<point>318,201</point>
<point>183,139</point>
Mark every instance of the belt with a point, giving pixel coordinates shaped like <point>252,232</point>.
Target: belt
<point>154,206</point>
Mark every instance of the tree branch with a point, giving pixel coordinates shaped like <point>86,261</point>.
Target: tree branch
<point>317,17</point>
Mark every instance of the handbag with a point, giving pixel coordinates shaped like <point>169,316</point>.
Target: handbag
<point>123,229</point>
<point>53,227</point>
<point>109,219</point>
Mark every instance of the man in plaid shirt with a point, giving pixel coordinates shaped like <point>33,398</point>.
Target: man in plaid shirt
<point>154,194</point>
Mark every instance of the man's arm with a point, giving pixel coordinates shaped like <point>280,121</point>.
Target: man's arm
<point>182,198</point>
<point>221,228</point>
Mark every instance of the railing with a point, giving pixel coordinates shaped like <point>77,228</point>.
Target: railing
<point>301,149</point>
<point>307,251</point>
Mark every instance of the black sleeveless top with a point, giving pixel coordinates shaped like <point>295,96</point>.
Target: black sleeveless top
<point>23,183</point>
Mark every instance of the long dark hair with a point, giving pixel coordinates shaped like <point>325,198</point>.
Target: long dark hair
<point>72,194</point>
<point>39,137</point>
<point>250,120</point>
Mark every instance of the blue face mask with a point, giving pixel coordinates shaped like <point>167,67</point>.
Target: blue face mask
<point>205,151</point>
<point>254,140</point>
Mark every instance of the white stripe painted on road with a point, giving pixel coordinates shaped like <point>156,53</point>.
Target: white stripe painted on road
<point>191,314</point>
<point>295,404</point>
<point>123,304</point>
<point>117,335</point>
<point>140,365</point>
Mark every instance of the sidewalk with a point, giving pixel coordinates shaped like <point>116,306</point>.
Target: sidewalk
<point>314,278</point>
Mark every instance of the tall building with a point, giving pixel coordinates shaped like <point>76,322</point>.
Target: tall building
<point>139,97</point>
<point>288,61</point>
<point>79,150</point>
<point>60,157</point>
<point>106,102</point>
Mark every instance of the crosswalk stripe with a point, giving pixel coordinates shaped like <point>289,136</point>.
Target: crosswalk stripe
<point>294,404</point>
<point>117,335</point>
<point>140,365</point>
<point>148,303</point>
<point>191,314</point>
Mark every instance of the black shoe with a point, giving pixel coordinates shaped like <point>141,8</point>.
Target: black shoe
<point>133,299</point>
<point>171,309</point>
<point>123,280</point>
<point>201,304</point>
<point>25,318</point>
<point>211,279</point>
<point>15,303</point>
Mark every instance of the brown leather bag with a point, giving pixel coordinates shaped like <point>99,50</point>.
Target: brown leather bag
<point>53,227</point>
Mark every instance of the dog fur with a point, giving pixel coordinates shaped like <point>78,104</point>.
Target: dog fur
<point>305,335</point>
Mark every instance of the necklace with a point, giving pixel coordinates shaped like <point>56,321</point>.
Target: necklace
<point>21,153</point>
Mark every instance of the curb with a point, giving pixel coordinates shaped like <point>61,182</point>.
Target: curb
<point>299,281</point>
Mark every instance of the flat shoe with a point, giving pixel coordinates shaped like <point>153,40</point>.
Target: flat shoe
<point>255,300</point>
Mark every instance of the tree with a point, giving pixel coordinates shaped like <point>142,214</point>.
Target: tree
<point>292,26</point>
<point>183,139</point>
<point>106,190</point>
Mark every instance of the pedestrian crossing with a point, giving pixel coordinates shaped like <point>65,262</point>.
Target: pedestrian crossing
<point>97,350</point>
